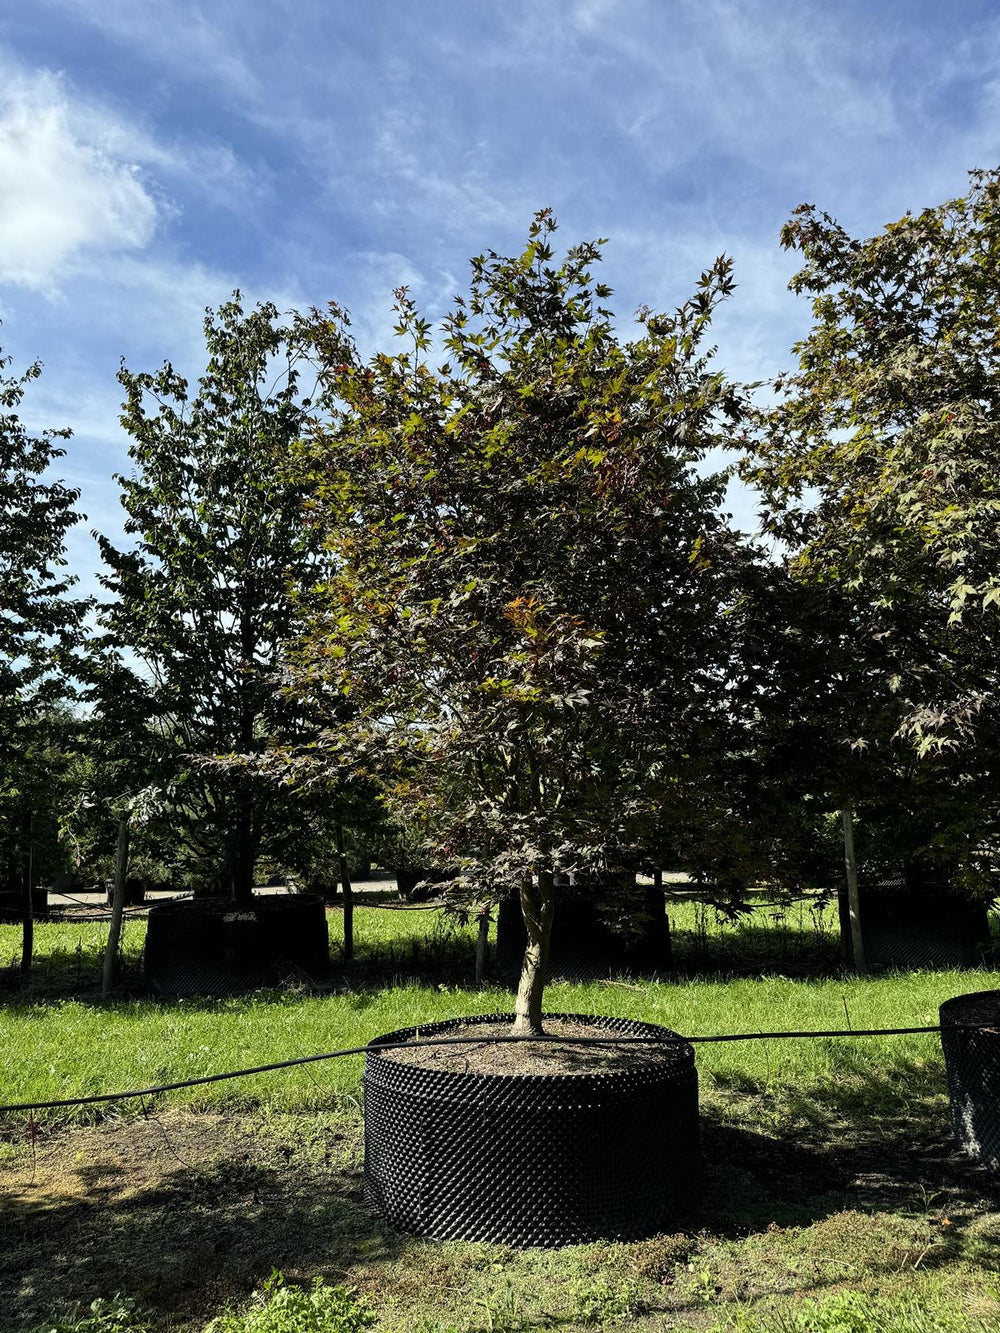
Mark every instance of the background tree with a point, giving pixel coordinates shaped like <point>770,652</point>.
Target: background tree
<point>530,572</point>
<point>200,609</point>
<point>880,467</point>
<point>41,631</point>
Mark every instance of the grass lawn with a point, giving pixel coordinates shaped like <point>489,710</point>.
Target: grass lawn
<point>829,1163</point>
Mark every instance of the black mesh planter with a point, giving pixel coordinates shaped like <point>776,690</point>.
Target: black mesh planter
<point>10,904</point>
<point>532,1159</point>
<point>972,1059</point>
<point>584,947</point>
<point>135,893</point>
<point>916,922</point>
<point>408,877</point>
<point>215,946</point>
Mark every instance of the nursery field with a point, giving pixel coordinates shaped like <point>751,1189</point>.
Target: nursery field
<point>833,1199</point>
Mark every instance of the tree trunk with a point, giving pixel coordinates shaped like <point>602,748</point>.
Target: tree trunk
<point>482,945</point>
<point>244,857</point>
<point>853,905</point>
<point>27,906</point>
<point>537,901</point>
<point>117,908</point>
<point>348,891</point>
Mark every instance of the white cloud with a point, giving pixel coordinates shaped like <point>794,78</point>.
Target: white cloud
<point>61,191</point>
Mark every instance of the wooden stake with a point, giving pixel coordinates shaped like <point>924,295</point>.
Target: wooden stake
<point>27,905</point>
<point>853,906</point>
<point>482,945</point>
<point>345,884</point>
<point>117,908</point>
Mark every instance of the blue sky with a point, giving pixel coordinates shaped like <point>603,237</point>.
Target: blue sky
<point>155,156</point>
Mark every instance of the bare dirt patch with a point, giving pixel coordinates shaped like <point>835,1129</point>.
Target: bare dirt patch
<point>188,1212</point>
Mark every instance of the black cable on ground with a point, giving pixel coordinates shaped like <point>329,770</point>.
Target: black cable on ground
<point>610,1040</point>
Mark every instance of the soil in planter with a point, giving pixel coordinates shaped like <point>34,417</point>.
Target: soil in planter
<point>530,1057</point>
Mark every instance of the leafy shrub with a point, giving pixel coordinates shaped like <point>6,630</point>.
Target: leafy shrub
<point>117,1315</point>
<point>601,1302</point>
<point>852,1312</point>
<point>283,1309</point>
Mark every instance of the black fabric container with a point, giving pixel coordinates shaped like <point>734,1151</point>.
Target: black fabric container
<point>583,946</point>
<point>10,904</point>
<point>408,877</point>
<point>972,1060</point>
<point>916,921</point>
<point>532,1159</point>
<point>216,946</point>
<point>135,893</point>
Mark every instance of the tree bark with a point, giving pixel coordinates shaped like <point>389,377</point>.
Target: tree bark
<point>348,891</point>
<point>117,908</point>
<point>537,902</point>
<point>853,903</point>
<point>245,849</point>
<point>244,859</point>
<point>27,906</point>
<point>482,945</point>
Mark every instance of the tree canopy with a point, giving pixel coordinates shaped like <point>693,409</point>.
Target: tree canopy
<point>880,464</point>
<point>201,606</point>
<point>530,570</point>
<point>41,632</point>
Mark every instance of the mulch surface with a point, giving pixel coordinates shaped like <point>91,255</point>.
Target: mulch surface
<point>481,1056</point>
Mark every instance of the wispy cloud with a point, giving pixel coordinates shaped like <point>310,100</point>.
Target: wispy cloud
<point>183,37</point>
<point>322,149</point>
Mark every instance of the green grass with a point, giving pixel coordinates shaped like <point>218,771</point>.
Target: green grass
<point>828,1162</point>
<point>76,1047</point>
<point>59,1046</point>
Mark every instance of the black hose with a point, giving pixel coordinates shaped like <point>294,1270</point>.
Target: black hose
<point>611,1039</point>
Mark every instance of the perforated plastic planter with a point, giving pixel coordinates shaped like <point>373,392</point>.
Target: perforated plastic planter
<point>972,1059</point>
<point>408,877</point>
<point>215,946</point>
<point>532,1159</point>
<point>135,893</point>
<point>916,923</point>
<point>10,903</point>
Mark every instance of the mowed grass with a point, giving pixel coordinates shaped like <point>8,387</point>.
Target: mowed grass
<point>63,1047</point>
<point>830,1176</point>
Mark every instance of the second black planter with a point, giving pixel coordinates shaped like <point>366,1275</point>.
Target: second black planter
<point>11,909</point>
<point>532,1159</point>
<point>970,1038</point>
<point>914,922</point>
<point>215,946</point>
<point>584,947</point>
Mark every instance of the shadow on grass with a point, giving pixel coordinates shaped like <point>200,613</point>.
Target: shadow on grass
<point>64,973</point>
<point>442,958</point>
<point>440,955</point>
<point>757,951</point>
<point>869,1137</point>
<point>185,1213</point>
<point>188,1212</point>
